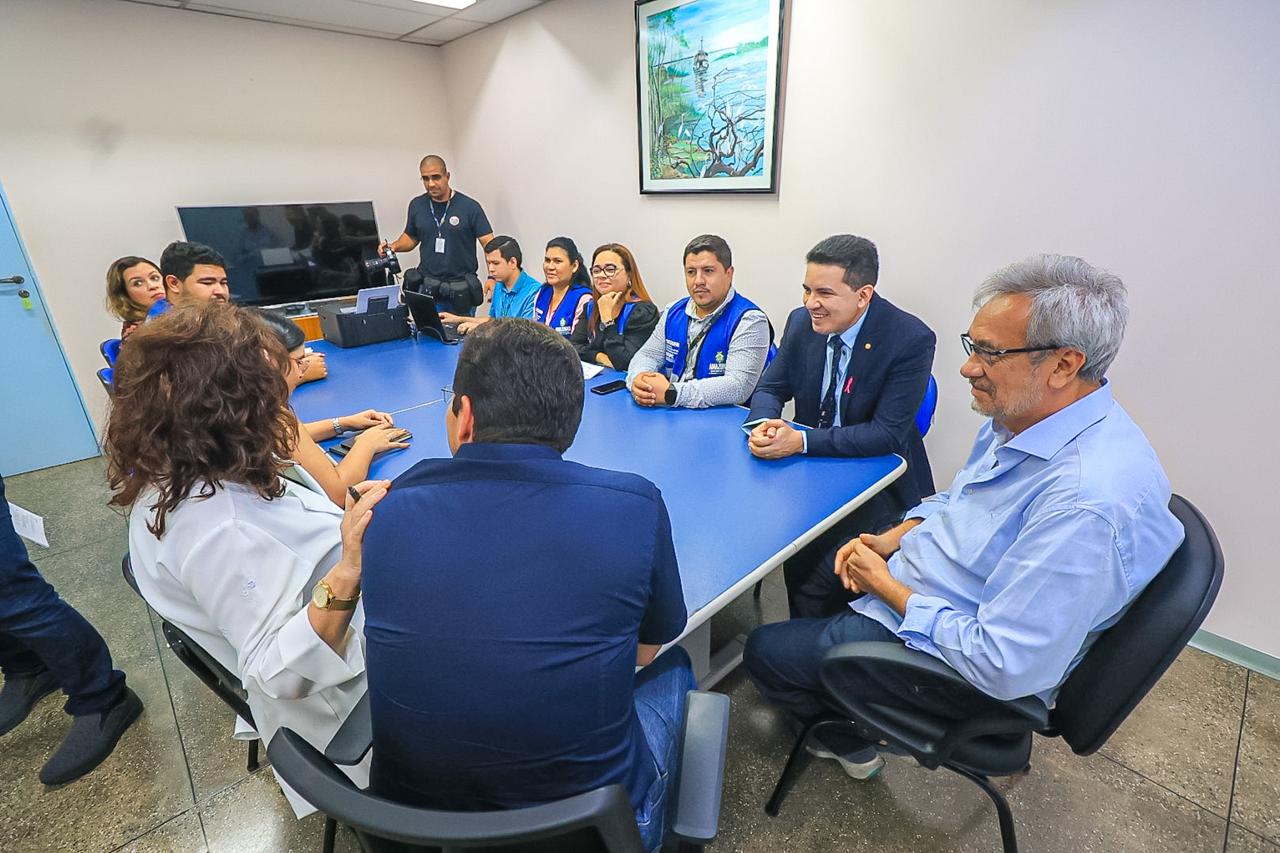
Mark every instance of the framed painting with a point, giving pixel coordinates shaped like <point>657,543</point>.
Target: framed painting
<point>708,75</point>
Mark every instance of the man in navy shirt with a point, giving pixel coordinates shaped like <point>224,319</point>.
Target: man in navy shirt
<point>503,628</point>
<point>448,225</point>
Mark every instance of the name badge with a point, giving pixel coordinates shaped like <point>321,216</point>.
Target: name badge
<point>439,245</point>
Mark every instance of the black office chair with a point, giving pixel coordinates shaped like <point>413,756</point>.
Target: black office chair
<point>215,676</point>
<point>599,820</point>
<point>205,667</point>
<point>1122,666</point>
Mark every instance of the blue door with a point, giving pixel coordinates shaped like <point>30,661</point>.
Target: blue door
<point>43,420</point>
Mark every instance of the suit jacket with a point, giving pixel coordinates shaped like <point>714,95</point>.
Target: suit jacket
<point>890,367</point>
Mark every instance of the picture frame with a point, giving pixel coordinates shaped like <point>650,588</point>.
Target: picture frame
<point>709,79</point>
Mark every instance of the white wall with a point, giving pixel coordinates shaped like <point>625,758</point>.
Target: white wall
<point>961,136</point>
<point>114,113</point>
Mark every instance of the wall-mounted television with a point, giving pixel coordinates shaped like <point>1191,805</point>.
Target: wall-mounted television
<point>279,253</point>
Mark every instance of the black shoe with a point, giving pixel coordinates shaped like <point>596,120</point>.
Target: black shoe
<point>20,695</point>
<point>91,739</point>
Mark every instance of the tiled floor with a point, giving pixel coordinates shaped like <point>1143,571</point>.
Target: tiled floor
<point>1195,768</point>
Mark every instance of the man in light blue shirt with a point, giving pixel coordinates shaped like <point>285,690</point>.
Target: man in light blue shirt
<point>1058,520</point>
<point>513,289</point>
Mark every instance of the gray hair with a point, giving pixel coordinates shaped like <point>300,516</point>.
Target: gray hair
<point>1073,305</point>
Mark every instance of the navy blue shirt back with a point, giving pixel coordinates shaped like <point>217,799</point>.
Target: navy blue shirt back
<point>505,592</point>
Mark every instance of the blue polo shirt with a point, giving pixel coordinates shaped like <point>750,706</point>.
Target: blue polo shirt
<point>505,591</point>
<point>518,301</point>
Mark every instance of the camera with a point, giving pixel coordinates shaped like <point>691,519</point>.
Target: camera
<point>388,262</point>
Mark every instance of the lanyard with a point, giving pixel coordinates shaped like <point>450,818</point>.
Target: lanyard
<point>440,222</point>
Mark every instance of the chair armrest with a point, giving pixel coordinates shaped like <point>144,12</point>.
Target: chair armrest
<point>898,656</point>
<point>354,738</point>
<point>929,737</point>
<point>696,818</point>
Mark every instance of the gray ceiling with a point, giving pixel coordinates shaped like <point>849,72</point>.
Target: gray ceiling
<point>397,20</point>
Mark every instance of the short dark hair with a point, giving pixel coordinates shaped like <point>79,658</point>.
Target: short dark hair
<point>509,248</point>
<point>444,167</point>
<point>285,330</point>
<point>709,243</point>
<point>524,381</point>
<point>857,255</point>
<point>178,259</point>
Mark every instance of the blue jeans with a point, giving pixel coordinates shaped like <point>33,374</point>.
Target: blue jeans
<point>39,631</point>
<point>783,660</point>
<point>661,689</point>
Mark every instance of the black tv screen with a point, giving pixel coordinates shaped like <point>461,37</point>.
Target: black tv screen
<point>278,253</point>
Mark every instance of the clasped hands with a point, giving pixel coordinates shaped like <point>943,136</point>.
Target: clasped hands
<point>775,439</point>
<point>650,388</point>
<point>862,566</point>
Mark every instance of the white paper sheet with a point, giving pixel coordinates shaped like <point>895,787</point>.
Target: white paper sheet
<point>591,371</point>
<point>28,524</point>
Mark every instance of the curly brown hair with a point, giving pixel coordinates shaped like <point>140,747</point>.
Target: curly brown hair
<point>200,400</point>
<point>118,301</point>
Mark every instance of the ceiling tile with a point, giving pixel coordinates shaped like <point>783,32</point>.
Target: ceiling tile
<point>491,11</point>
<point>445,30</point>
<point>351,15</point>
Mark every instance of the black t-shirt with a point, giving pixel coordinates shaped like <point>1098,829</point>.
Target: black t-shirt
<point>462,222</point>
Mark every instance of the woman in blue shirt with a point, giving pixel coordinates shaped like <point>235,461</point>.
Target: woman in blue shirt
<point>567,290</point>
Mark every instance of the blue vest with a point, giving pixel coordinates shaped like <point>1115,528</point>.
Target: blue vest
<point>622,315</point>
<point>713,354</point>
<point>562,320</point>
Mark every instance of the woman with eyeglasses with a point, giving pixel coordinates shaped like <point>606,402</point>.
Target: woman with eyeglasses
<point>567,291</point>
<point>380,432</point>
<point>620,316</point>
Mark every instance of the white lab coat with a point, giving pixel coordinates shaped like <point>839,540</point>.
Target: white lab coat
<point>235,572</point>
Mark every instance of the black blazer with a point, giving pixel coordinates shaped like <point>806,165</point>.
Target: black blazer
<point>619,347</point>
<point>890,367</point>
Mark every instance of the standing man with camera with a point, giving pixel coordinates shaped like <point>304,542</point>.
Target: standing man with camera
<point>448,225</point>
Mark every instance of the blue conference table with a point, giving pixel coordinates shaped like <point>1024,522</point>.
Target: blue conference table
<point>734,518</point>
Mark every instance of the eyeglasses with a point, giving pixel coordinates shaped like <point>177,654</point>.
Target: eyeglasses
<point>991,356</point>
<point>606,271</point>
<point>300,362</point>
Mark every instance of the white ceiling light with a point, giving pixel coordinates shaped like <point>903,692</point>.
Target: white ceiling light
<point>450,4</point>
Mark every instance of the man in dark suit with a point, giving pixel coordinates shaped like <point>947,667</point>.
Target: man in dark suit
<point>857,367</point>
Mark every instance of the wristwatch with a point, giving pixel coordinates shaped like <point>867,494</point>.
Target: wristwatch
<point>670,397</point>
<point>337,427</point>
<point>322,597</point>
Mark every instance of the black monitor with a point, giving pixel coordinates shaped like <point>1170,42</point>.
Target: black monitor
<point>279,253</point>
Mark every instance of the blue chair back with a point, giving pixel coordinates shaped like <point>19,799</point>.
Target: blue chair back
<point>107,377</point>
<point>924,416</point>
<point>1129,658</point>
<point>110,350</point>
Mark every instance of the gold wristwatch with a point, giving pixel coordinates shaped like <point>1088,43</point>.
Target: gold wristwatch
<point>322,597</point>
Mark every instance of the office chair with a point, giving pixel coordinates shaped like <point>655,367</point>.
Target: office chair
<point>1122,666</point>
<point>598,820</point>
<point>214,675</point>
<point>107,377</point>
<point>110,349</point>
<point>924,415</point>
<point>203,665</point>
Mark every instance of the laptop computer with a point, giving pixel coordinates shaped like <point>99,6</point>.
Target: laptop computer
<point>426,318</point>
